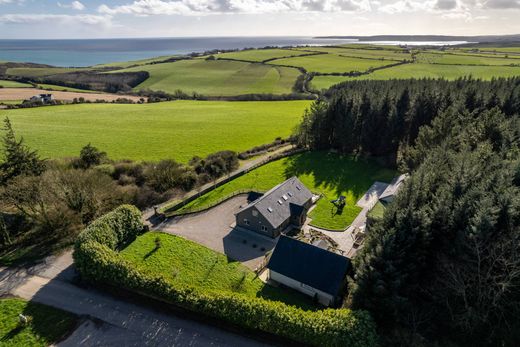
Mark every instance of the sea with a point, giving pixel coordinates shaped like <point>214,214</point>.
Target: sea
<point>79,53</point>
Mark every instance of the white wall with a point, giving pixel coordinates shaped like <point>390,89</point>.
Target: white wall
<point>324,298</point>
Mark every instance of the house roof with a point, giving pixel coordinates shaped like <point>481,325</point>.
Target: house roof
<point>282,201</point>
<point>393,187</point>
<point>308,264</point>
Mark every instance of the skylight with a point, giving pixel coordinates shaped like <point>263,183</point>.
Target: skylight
<point>280,202</point>
<point>298,187</point>
<point>285,197</point>
<point>270,209</point>
<point>290,194</point>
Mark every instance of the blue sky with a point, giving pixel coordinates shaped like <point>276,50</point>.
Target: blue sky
<point>170,18</point>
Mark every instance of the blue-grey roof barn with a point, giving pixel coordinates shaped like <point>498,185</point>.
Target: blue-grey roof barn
<point>284,205</point>
<point>309,269</point>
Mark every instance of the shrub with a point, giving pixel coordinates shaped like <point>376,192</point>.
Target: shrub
<point>97,259</point>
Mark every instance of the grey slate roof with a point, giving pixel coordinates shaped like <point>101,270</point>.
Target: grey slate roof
<point>291,193</point>
<point>393,187</point>
<point>310,265</point>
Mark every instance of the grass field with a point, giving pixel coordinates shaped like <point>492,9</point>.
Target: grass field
<point>14,84</point>
<point>125,64</point>
<point>362,53</point>
<point>329,174</point>
<point>65,89</point>
<point>217,78</point>
<point>330,63</point>
<point>48,325</point>
<point>449,72</point>
<point>459,59</point>
<point>259,55</point>
<point>187,263</point>
<point>178,129</point>
<point>39,71</point>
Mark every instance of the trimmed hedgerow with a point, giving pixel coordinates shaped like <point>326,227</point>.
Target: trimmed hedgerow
<point>97,260</point>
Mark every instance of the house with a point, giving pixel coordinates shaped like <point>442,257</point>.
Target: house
<point>43,98</point>
<point>393,188</point>
<point>285,205</point>
<point>309,269</point>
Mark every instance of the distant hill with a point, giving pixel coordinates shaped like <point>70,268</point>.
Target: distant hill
<point>410,38</point>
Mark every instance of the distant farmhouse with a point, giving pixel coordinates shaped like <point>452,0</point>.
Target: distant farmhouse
<point>43,98</point>
<point>309,269</point>
<point>283,206</point>
<point>393,188</point>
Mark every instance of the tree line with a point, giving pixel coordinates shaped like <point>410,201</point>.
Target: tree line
<point>442,268</point>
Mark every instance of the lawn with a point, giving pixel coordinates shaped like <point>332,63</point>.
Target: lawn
<point>47,327</point>
<point>177,129</point>
<point>14,84</point>
<point>187,263</point>
<point>449,72</point>
<point>217,77</point>
<point>259,55</point>
<point>329,174</point>
<point>330,63</point>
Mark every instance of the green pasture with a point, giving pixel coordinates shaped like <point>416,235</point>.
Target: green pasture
<point>362,53</point>
<point>65,89</point>
<point>449,72</point>
<point>259,55</point>
<point>217,77</point>
<point>177,129</point>
<point>187,263</point>
<point>126,64</point>
<point>459,59</point>
<point>39,71</point>
<point>47,325</point>
<point>331,63</point>
<point>323,173</point>
<point>14,84</point>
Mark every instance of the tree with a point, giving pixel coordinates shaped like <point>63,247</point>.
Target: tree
<point>18,159</point>
<point>90,156</point>
<point>5,237</point>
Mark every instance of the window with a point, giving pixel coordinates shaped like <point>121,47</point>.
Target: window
<point>255,213</point>
<point>285,197</point>
<point>264,228</point>
<point>290,194</point>
<point>246,221</point>
<point>298,187</point>
<point>270,209</point>
<point>280,202</point>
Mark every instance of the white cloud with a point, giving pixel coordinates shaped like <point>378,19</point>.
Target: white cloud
<point>199,7</point>
<point>75,5</point>
<point>500,4</point>
<point>55,18</point>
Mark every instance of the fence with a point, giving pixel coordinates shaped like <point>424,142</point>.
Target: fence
<point>207,207</point>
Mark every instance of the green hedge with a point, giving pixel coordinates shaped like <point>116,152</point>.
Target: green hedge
<point>96,259</point>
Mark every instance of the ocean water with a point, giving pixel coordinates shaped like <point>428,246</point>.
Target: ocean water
<point>100,51</point>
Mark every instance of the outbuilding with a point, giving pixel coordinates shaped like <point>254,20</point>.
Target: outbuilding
<point>309,269</point>
<point>283,206</point>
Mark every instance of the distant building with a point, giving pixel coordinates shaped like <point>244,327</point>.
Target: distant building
<point>285,205</point>
<point>43,98</point>
<point>392,189</point>
<point>309,269</point>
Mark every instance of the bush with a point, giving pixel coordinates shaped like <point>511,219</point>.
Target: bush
<point>97,259</point>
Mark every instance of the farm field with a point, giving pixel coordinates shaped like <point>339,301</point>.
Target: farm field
<point>47,327</point>
<point>459,59</point>
<point>126,64</point>
<point>14,84</point>
<point>64,89</point>
<point>329,174</point>
<point>217,77</point>
<point>449,72</point>
<point>331,63</point>
<point>361,53</point>
<point>259,55</point>
<point>39,71</point>
<point>177,130</point>
<point>26,93</point>
<point>187,263</point>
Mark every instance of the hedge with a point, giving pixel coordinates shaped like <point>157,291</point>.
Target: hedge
<point>97,259</point>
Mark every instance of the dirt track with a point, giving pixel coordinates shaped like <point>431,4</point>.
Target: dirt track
<point>26,93</point>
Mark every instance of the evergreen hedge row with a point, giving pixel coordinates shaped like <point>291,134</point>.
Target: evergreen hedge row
<point>97,259</point>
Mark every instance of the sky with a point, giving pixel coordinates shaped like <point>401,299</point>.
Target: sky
<point>49,19</point>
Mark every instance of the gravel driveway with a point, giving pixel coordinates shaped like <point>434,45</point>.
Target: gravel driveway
<point>215,229</point>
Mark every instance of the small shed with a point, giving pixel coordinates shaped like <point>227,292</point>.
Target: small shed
<point>309,269</point>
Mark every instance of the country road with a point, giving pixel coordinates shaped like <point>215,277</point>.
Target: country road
<point>113,321</point>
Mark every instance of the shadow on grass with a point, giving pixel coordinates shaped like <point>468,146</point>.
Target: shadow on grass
<point>12,334</point>
<point>152,252</point>
<point>288,296</point>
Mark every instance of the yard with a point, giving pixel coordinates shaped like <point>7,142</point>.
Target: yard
<point>187,263</point>
<point>177,130</point>
<point>325,173</point>
<point>48,325</point>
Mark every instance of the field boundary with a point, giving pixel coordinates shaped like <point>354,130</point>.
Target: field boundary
<point>220,201</point>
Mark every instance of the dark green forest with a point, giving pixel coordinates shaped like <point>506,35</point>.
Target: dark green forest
<point>442,268</point>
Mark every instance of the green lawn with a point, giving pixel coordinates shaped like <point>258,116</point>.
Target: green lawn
<point>217,77</point>
<point>330,63</point>
<point>48,324</point>
<point>177,129</point>
<point>259,55</point>
<point>187,263</point>
<point>329,174</point>
<point>14,84</point>
<point>449,72</point>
